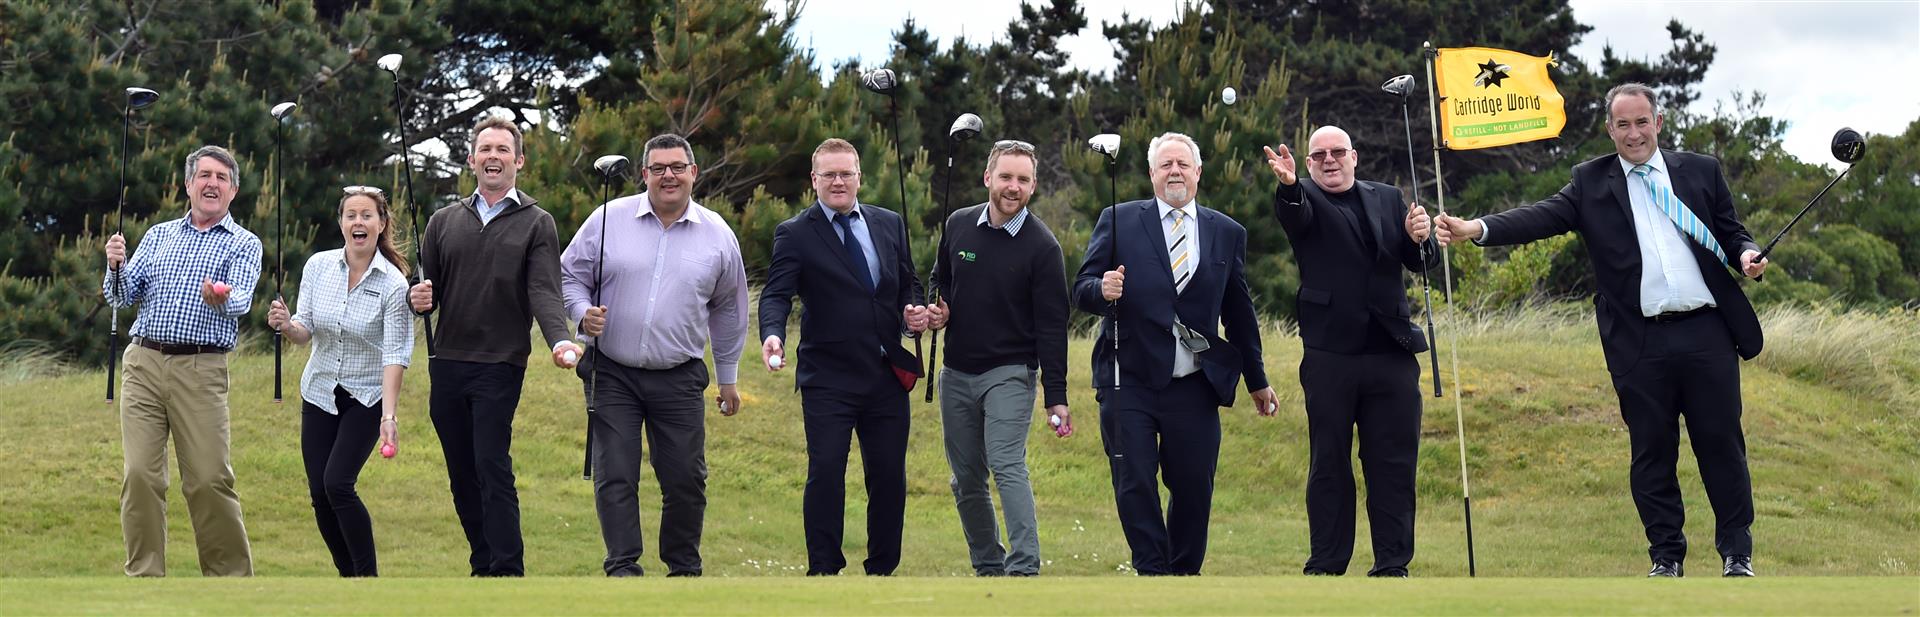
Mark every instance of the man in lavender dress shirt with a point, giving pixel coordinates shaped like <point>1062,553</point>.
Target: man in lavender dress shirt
<point>673,269</point>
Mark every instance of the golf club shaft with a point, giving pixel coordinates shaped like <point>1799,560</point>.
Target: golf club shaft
<point>1446,279</point>
<point>593,370</point>
<point>279,244</point>
<point>1803,212</point>
<point>406,173</point>
<point>1413,171</point>
<point>119,227</point>
<point>1466,503</point>
<point>1113,306</point>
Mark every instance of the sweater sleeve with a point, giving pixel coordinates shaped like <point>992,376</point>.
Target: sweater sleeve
<point>1050,314</point>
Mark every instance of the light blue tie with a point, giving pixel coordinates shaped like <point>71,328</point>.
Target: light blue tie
<point>1666,201</point>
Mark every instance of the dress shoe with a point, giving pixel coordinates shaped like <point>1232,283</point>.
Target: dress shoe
<point>1023,574</point>
<point>1319,572</point>
<point>1389,573</point>
<point>625,573</point>
<point>1668,569</point>
<point>1739,565</point>
<point>684,574</point>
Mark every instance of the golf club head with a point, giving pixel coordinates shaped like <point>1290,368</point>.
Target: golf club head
<point>1401,86</point>
<point>141,98</point>
<point>965,127</point>
<point>390,63</point>
<point>1849,146</point>
<point>1105,143</point>
<point>281,111</point>
<point>881,81</point>
<point>612,166</point>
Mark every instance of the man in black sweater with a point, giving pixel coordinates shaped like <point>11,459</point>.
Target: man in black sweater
<point>1002,270</point>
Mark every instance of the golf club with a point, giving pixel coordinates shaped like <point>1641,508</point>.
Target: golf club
<point>1402,88</point>
<point>613,169</point>
<point>884,82</point>
<point>1109,144</point>
<point>137,99</point>
<point>279,113</point>
<point>965,127</point>
<point>1446,278</point>
<point>391,64</point>
<point>1848,146</point>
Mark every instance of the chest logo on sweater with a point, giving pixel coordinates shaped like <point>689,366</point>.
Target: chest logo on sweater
<point>966,256</point>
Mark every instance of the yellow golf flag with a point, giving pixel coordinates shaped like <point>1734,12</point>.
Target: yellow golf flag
<point>1494,97</point>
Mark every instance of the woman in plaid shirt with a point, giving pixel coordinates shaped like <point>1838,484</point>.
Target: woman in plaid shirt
<point>353,307</point>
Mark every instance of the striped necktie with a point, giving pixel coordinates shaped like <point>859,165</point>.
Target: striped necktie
<point>1666,201</point>
<point>1180,253</point>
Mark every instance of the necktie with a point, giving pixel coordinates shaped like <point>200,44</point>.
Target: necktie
<point>1180,253</point>
<point>1666,201</point>
<point>854,253</point>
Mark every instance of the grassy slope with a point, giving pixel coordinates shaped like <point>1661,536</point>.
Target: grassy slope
<point>1833,448</point>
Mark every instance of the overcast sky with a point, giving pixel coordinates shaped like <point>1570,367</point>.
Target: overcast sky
<point>1822,65</point>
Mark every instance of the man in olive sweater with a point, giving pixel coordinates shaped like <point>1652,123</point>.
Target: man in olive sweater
<point>496,258</point>
<point>1001,269</point>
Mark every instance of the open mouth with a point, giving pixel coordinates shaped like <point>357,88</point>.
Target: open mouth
<point>493,168</point>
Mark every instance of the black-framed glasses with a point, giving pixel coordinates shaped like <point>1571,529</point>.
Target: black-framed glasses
<point>364,190</point>
<point>662,169</point>
<point>1321,155</point>
<point>834,176</point>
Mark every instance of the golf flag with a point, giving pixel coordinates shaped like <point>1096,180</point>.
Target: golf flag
<point>1494,97</point>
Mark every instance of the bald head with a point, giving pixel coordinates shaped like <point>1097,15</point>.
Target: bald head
<point>1331,159</point>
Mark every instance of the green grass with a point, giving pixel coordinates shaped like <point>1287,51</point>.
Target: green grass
<point>1831,431</point>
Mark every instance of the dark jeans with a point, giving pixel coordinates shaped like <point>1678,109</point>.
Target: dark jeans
<point>473,405</point>
<point>832,417</point>
<point>668,407</point>
<point>333,448</point>
<point>1174,431</point>
<point>1379,394</point>
<point>1688,368</point>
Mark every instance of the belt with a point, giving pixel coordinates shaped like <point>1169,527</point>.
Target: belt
<point>1680,316</point>
<point>177,349</point>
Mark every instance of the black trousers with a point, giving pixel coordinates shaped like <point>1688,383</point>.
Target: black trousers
<point>1379,394</point>
<point>1176,432</point>
<point>1688,369</point>
<point>472,407</point>
<point>333,449</point>
<point>667,408</point>
<point>879,415</point>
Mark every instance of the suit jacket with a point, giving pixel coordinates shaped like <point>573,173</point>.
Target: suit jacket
<point>1344,283</point>
<point>1216,296</point>
<point>843,326</point>
<point>1595,204</point>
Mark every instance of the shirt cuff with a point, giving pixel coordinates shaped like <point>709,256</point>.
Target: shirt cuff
<point>727,373</point>
<point>1486,232</point>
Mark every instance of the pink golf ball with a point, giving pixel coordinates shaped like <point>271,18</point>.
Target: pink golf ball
<point>387,450</point>
<point>222,288</point>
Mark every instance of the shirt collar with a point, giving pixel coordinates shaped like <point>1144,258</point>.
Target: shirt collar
<point>830,212</point>
<point>380,263</point>
<point>694,214</point>
<point>1658,163</point>
<point>1013,225</point>
<point>226,222</point>
<point>1192,208</point>
<point>513,198</point>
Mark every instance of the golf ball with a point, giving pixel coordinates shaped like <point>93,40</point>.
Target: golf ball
<point>1228,95</point>
<point>221,288</point>
<point>571,356</point>
<point>388,450</point>
<point>775,362</point>
<point>1054,419</point>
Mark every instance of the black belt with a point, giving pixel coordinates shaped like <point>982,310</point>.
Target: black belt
<point>1680,316</point>
<point>177,349</point>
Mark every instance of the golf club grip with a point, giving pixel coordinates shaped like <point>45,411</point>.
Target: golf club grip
<point>1467,504</point>
<point>426,324</point>
<point>932,356</point>
<point>276,366</point>
<point>593,385</point>
<point>113,362</point>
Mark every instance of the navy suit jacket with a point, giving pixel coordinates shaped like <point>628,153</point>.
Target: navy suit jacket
<point>1216,296</point>
<point>1344,284</point>
<point>1595,204</point>
<point>843,327</point>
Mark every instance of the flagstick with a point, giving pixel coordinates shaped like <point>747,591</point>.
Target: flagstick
<point>1446,279</point>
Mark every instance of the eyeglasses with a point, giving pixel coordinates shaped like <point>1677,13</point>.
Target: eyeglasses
<point>835,176</point>
<point>1321,155</point>
<point>364,190</point>
<point>1013,144</point>
<point>662,169</point>
<point>1191,339</point>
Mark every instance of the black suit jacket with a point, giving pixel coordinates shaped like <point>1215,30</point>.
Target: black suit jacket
<point>1345,284</point>
<point>1216,296</point>
<point>1595,204</point>
<point>843,327</point>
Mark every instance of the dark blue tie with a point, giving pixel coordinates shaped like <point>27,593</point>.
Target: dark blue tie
<point>854,253</point>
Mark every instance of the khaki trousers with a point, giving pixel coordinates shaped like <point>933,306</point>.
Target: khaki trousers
<point>184,396</point>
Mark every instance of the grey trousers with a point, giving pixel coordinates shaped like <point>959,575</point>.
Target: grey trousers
<point>667,408</point>
<point>986,419</point>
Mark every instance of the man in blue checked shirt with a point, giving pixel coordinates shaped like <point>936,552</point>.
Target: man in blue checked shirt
<point>193,278</point>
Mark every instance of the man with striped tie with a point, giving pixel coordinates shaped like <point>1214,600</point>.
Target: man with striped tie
<point>1661,233</point>
<point>1161,416</point>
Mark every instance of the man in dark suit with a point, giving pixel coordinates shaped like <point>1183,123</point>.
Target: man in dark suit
<point>1360,366</point>
<point>1661,231</point>
<point>849,264</point>
<point>1162,416</point>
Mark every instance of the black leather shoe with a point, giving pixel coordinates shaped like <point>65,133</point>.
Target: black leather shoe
<point>625,573</point>
<point>1668,569</point>
<point>684,574</point>
<point>1319,572</point>
<point>1389,573</point>
<point>1739,565</point>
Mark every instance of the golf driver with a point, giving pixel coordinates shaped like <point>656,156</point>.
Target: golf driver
<point>1402,88</point>
<point>884,82</point>
<point>613,170</point>
<point>280,113</point>
<point>1108,144</point>
<point>1848,146</point>
<point>391,64</point>
<point>965,127</point>
<point>137,99</point>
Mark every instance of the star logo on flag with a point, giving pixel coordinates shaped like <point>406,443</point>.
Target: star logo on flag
<point>1491,73</point>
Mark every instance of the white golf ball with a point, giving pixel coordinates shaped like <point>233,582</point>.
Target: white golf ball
<point>571,356</point>
<point>1054,419</point>
<point>775,362</point>
<point>1228,95</point>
